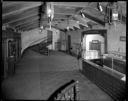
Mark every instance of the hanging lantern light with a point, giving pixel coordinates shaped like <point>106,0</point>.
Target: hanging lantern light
<point>50,13</point>
<point>112,13</point>
<point>41,27</point>
<point>82,14</point>
<point>67,22</point>
<point>50,10</point>
<point>99,7</point>
<point>115,12</point>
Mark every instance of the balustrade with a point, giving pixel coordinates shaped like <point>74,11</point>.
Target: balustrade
<point>69,91</point>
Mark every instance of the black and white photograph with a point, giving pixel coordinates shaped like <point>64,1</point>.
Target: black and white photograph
<point>55,50</point>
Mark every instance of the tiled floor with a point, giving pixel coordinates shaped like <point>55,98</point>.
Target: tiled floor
<point>38,76</point>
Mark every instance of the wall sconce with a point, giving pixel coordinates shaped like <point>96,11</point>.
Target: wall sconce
<point>41,28</point>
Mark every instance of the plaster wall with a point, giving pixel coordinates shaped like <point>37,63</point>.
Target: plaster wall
<point>34,36</point>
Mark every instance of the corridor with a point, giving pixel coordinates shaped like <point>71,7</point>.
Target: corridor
<point>38,76</point>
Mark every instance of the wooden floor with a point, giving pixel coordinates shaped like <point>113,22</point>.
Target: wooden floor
<point>38,76</point>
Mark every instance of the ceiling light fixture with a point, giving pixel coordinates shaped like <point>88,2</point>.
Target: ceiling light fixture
<point>82,14</point>
<point>41,27</point>
<point>77,22</point>
<point>99,7</point>
<point>67,27</point>
<point>68,22</point>
<point>113,13</point>
<point>50,13</point>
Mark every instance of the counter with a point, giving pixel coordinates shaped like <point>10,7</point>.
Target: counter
<point>106,79</point>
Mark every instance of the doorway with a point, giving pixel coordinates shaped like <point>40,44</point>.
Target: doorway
<point>94,43</point>
<point>69,44</point>
<point>11,56</point>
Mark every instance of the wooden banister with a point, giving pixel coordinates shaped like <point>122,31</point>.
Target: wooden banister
<point>69,91</point>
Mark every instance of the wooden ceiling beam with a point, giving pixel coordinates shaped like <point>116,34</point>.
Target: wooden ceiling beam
<point>58,28</point>
<point>30,28</point>
<point>27,24</point>
<point>31,23</point>
<point>8,3</point>
<point>63,11</point>
<point>19,8</point>
<point>71,4</point>
<point>30,19</point>
<point>98,20</point>
<point>20,16</point>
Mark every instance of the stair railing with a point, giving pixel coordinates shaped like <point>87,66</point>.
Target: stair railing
<point>70,91</point>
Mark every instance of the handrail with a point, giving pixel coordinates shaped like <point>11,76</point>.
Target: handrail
<point>69,91</point>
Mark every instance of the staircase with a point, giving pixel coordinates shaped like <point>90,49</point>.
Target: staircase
<point>42,46</point>
<point>69,91</point>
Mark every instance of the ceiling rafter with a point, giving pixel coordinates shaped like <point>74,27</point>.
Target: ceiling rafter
<point>30,28</point>
<point>13,22</point>
<point>27,24</point>
<point>31,23</point>
<point>19,16</point>
<point>30,19</point>
<point>58,28</point>
<point>23,8</point>
<point>71,4</point>
<point>63,11</point>
<point>8,3</point>
<point>26,15</point>
<point>96,19</point>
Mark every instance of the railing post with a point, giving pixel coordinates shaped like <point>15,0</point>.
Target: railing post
<point>112,63</point>
<point>70,92</point>
<point>77,90</point>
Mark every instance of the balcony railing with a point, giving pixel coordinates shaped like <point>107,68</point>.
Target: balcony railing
<point>69,91</point>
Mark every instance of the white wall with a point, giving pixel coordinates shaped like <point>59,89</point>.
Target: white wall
<point>29,37</point>
<point>113,36</point>
<point>56,38</point>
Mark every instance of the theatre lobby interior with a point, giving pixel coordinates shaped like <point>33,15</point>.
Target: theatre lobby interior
<point>63,51</point>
